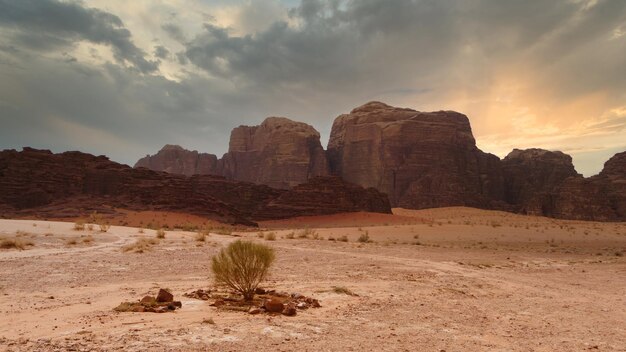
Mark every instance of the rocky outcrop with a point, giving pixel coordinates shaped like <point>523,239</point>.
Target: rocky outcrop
<point>541,182</point>
<point>532,176</point>
<point>72,184</point>
<point>421,160</point>
<point>177,160</point>
<point>280,153</point>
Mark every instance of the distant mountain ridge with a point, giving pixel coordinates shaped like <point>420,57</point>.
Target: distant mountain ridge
<point>419,159</point>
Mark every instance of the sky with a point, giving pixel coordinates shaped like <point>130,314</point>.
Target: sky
<point>123,78</point>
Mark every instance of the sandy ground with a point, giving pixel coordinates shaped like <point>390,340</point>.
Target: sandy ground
<point>454,279</point>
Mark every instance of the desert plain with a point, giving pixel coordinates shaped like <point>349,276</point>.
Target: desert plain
<point>448,279</point>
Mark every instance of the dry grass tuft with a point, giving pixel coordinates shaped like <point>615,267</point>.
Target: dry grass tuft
<point>270,236</point>
<point>79,225</point>
<point>141,245</point>
<point>14,243</point>
<point>200,237</point>
<point>160,233</point>
<point>343,290</point>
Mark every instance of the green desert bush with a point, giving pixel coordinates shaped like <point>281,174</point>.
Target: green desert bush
<point>242,266</point>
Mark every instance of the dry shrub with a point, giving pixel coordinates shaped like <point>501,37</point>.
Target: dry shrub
<point>242,266</point>
<point>343,238</point>
<point>270,236</point>
<point>291,235</point>
<point>141,245</point>
<point>364,238</point>
<point>71,241</point>
<point>343,290</point>
<point>200,237</point>
<point>14,243</point>
<point>79,225</point>
<point>104,227</point>
<point>160,233</point>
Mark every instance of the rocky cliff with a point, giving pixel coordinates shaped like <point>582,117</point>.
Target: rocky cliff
<point>176,160</point>
<point>279,153</point>
<point>419,159</point>
<point>71,184</point>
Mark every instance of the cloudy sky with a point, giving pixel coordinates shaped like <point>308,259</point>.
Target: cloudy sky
<point>123,78</point>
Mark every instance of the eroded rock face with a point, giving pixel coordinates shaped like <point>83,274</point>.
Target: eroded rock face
<point>532,176</point>
<point>177,160</point>
<point>541,182</point>
<point>280,153</point>
<point>420,160</point>
<point>73,184</point>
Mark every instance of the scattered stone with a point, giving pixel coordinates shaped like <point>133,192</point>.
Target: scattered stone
<point>164,302</point>
<point>302,305</point>
<point>148,299</point>
<point>199,294</point>
<point>272,305</point>
<point>254,310</point>
<point>164,296</point>
<point>290,309</point>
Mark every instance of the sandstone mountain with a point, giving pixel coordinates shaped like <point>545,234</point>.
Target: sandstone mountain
<point>71,184</point>
<point>279,153</point>
<point>420,160</point>
<point>176,160</point>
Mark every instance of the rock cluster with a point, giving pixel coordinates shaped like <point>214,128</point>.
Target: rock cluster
<point>280,153</point>
<point>71,184</point>
<point>162,303</point>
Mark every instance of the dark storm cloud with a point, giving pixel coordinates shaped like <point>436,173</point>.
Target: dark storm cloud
<point>325,58</point>
<point>174,31</point>
<point>48,24</point>
<point>161,52</point>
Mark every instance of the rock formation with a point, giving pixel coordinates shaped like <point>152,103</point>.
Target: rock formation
<point>532,176</point>
<point>176,160</point>
<point>421,160</point>
<point>73,184</point>
<point>280,153</point>
<point>541,182</point>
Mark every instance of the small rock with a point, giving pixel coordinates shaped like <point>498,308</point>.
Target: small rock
<point>302,305</point>
<point>254,310</point>
<point>259,291</point>
<point>163,296</point>
<point>148,299</point>
<point>273,306</point>
<point>289,310</point>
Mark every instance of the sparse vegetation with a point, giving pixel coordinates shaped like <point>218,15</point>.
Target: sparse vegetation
<point>71,241</point>
<point>14,243</point>
<point>343,290</point>
<point>79,225</point>
<point>291,235</point>
<point>270,236</point>
<point>364,238</point>
<point>242,266</point>
<point>160,233</point>
<point>200,237</point>
<point>343,238</point>
<point>141,245</point>
<point>104,227</point>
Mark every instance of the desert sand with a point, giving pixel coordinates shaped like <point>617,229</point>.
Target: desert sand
<point>449,279</point>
